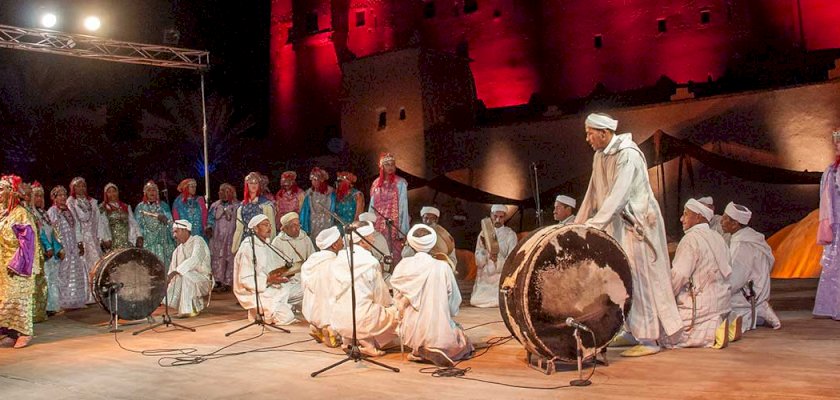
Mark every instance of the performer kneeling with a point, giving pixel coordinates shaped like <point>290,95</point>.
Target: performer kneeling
<point>427,297</point>
<point>273,287</point>
<point>315,277</point>
<point>189,271</point>
<point>375,318</point>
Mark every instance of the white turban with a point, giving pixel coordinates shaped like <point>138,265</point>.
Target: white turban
<point>256,220</point>
<point>498,208</point>
<point>429,210</point>
<point>327,237</point>
<point>367,217</point>
<point>699,208</point>
<point>742,216</point>
<point>708,201</point>
<point>183,224</point>
<point>601,122</point>
<point>422,244</point>
<point>364,229</point>
<point>288,217</point>
<point>563,199</point>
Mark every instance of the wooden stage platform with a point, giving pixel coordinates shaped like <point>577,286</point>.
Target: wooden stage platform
<point>73,357</point>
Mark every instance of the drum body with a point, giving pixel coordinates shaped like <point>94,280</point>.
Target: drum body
<point>131,281</point>
<point>559,272</point>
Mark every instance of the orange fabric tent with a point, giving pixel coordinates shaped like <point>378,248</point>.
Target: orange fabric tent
<point>796,250</point>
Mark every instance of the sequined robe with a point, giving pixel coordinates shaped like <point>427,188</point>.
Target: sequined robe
<point>118,225</point>
<point>157,236</point>
<point>86,213</point>
<point>39,302</point>
<point>49,242</point>
<point>222,219</point>
<point>248,210</point>
<point>827,303</point>
<point>313,213</point>
<point>286,202</point>
<point>73,290</point>
<point>194,210</point>
<point>17,280</point>
<point>347,207</point>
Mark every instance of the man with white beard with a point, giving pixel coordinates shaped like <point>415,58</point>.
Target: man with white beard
<point>427,297</point>
<point>315,278</point>
<point>294,244</point>
<point>375,317</point>
<point>620,201</point>
<point>189,271</point>
<point>700,279</point>
<point>752,259</point>
<point>489,264</point>
<point>273,288</point>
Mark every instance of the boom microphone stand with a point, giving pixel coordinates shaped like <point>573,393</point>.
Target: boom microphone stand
<point>259,319</point>
<point>535,187</point>
<point>354,353</point>
<point>166,318</point>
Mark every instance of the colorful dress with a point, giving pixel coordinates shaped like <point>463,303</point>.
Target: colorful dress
<point>827,302</point>
<point>313,213</point>
<point>194,210</point>
<point>73,290</point>
<point>117,224</point>
<point>248,210</point>
<point>49,241</point>
<point>86,213</point>
<point>391,200</point>
<point>39,301</point>
<point>222,219</point>
<point>157,236</point>
<point>287,201</point>
<point>346,208</point>
<point>17,281</point>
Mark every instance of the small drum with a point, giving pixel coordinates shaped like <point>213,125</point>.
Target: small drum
<point>134,276</point>
<point>559,272</point>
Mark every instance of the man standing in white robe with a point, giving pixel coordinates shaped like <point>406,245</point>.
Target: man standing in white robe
<point>270,283</point>
<point>752,259</point>
<point>564,210</point>
<point>189,271</point>
<point>315,278</point>
<point>620,202</point>
<point>427,298</point>
<point>295,244</point>
<point>489,266</point>
<point>375,316</point>
<point>382,252</point>
<point>700,279</point>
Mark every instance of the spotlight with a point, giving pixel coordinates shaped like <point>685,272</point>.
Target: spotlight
<point>92,23</point>
<point>49,20</point>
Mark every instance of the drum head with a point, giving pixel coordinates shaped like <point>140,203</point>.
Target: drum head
<point>560,272</point>
<point>140,278</point>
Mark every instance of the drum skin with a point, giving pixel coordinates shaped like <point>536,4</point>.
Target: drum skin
<point>565,271</point>
<point>142,275</point>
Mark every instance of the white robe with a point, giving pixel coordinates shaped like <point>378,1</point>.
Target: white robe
<point>315,279</point>
<point>752,259</point>
<point>568,221</point>
<point>486,289</point>
<point>427,297</point>
<point>714,224</point>
<point>186,291</point>
<point>274,299</point>
<point>701,261</point>
<point>375,319</point>
<point>298,250</point>
<point>381,244</point>
<point>620,183</point>
<point>87,231</point>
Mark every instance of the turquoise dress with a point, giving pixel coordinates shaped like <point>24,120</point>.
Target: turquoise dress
<point>157,236</point>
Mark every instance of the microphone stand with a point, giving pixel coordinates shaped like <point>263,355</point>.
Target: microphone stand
<point>386,258</point>
<point>535,187</point>
<point>166,319</point>
<point>354,353</point>
<point>259,319</point>
<point>389,223</point>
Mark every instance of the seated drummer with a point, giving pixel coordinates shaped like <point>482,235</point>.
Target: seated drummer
<point>189,271</point>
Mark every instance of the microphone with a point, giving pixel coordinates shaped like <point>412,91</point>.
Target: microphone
<point>577,325</point>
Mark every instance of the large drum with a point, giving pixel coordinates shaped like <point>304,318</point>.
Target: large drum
<point>133,276</point>
<point>559,272</point>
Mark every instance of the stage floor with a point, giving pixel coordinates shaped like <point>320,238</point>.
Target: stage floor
<point>74,357</point>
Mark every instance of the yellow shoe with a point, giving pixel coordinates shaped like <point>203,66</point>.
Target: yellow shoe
<point>641,350</point>
<point>722,335</point>
<point>331,339</point>
<point>735,329</point>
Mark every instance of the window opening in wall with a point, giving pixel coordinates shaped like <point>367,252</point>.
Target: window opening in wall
<point>383,120</point>
<point>360,18</point>
<point>662,25</point>
<point>599,41</point>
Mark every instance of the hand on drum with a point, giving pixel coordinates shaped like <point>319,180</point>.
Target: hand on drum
<point>276,277</point>
<point>171,276</point>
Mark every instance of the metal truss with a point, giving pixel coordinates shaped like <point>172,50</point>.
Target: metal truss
<point>92,47</point>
